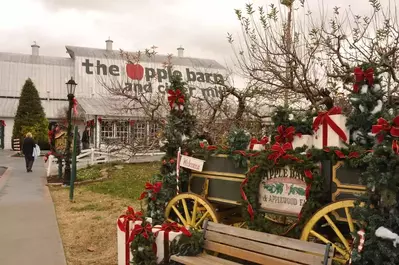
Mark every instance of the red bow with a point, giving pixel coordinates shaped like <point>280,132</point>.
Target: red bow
<point>130,215</point>
<point>395,146</point>
<point>173,227</point>
<point>244,196</point>
<point>279,151</point>
<point>153,188</point>
<point>368,75</point>
<point>75,106</point>
<point>309,175</point>
<point>132,122</point>
<point>140,230</point>
<point>2,123</point>
<point>285,135</point>
<point>324,119</point>
<point>395,127</point>
<point>175,96</point>
<point>254,141</point>
<point>99,120</point>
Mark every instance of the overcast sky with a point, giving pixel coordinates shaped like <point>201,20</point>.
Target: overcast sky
<point>200,26</point>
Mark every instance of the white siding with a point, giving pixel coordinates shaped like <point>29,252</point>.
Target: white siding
<point>45,77</point>
<point>8,132</point>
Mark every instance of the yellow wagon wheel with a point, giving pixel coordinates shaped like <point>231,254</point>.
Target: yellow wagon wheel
<point>190,210</point>
<point>325,215</point>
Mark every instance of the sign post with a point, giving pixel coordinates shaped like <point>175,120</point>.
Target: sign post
<point>73,171</point>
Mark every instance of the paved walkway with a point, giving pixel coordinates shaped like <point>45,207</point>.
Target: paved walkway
<point>28,227</point>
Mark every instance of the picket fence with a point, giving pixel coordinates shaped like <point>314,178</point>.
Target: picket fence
<point>93,156</point>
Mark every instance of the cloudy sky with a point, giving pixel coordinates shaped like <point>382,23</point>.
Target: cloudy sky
<point>200,26</point>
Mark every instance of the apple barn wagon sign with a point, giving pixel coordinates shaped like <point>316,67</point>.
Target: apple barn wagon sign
<point>282,191</point>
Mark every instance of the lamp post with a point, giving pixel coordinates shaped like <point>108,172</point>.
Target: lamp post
<point>71,85</point>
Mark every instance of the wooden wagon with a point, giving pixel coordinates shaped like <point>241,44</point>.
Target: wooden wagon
<point>215,194</point>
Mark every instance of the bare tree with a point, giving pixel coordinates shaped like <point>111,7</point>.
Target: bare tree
<point>312,57</point>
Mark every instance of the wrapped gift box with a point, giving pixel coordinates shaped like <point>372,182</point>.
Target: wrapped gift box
<point>333,139</point>
<point>302,140</point>
<point>163,246</point>
<point>123,255</point>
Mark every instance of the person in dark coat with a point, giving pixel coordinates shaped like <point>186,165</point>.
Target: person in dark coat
<point>86,138</point>
<point>27,149</point>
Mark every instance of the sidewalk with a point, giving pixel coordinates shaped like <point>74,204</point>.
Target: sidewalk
<point>28,226</point>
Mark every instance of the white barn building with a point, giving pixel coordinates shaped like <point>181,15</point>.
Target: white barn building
<point>93,70</point>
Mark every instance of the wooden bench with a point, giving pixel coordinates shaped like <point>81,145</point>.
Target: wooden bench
<point>256,247</point>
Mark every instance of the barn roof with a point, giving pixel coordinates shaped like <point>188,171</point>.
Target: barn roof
<point>75,51</point>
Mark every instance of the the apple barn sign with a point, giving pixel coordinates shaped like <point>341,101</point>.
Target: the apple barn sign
<point>136,72</point>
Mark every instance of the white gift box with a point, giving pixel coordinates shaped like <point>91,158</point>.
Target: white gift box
<point>258,147</point>
<point>332,137</point>
<point>121,237</point>
<point>160,239</point>
<point>300,141</point>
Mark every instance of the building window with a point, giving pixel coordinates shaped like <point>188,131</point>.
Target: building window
<point>155,130</point>
<point>139,130</point>
<point>122,131</point>
<point>107,131</point>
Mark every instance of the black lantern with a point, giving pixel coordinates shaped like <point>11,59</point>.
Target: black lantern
<point>71,85</point>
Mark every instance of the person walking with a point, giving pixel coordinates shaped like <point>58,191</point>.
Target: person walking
<point>86,138</point>
<point>27,149</point>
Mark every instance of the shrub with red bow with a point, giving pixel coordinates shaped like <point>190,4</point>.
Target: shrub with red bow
<point>176,98</point>
<point>384,129</point>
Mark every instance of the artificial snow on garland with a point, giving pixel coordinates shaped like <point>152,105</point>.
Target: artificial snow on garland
<point>385,233</point>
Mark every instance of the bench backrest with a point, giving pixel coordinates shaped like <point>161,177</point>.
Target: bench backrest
<point>262,248</point>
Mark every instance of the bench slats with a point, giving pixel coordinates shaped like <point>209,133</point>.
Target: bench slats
<point>245,254</point>
<point>269,238</point>
<point>202,259</point>
<point>265,249</point>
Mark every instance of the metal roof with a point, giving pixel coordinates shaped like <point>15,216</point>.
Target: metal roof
<point>111,107</point>
<point>52,108</point>
<point>75,51</point>
<point>31,59</point>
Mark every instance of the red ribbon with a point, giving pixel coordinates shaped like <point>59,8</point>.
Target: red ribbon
<point>395,128</point>
<point>285,135</point>
<point>75,106</point>
<point>244,196</point>
<point>309,175</point>
<point>167,228</point>
<point>245,154</point>
<point>325,120</point>
<point>279,151</point>
<point>342,155</point>
<point>2,123</point>
<point>132,122</point>
<point>130,215</point>
<point>254,141</point>
<point>99,120</point>
<point>211,147</point>
<point>395,146</point>
<point>175,96</point>
<point>368,75</point>
<point>153,188</point>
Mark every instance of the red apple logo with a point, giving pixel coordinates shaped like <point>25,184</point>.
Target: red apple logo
<point>134,71</point>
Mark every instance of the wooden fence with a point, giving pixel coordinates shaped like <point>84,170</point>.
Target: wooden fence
<point>93,156</point>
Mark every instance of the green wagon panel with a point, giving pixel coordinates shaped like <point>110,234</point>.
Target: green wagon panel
<point>222,165</point>
<point>220,189</point>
